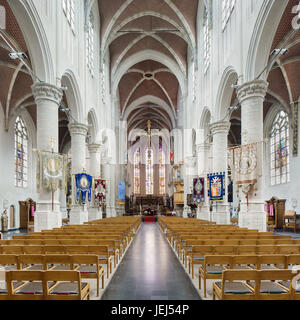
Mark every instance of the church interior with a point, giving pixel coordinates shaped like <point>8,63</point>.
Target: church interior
<point>154,138</point>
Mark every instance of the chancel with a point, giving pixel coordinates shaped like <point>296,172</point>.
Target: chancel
<point>144,142</point>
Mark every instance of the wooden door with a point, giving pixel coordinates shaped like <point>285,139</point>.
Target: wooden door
<point>12,217</point>
<point>23,214</point>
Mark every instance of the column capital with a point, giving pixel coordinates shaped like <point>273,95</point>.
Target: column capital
<point>78,129</point>
<point>255,88</point>
<point>45,91</point>
<point>94,147</point>
<point>220,127</point>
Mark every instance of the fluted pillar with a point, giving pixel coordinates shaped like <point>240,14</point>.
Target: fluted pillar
<point>78,132</point>
<point>94,211</point>
<point>251,96</point>
<point>219,131</point>
<point>47,98</point>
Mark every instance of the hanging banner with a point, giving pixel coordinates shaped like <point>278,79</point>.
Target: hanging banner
<point>244,162</point>
<point>51,171</point>
<point>216,186</point>
<point>83,186</point>
<point>100,191</point>
<point>121,192</point>
<point>198,190</point>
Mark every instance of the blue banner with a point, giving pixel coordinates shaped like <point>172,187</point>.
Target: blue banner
<point>121,191</point>
<point>83,186</point>
<point>216,186</point>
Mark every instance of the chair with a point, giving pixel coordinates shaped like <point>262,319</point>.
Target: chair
<point>68,286</point>
<point>212,268</point>
<point>290,220</point>
<point>89,268</point>
<point>233,285</point>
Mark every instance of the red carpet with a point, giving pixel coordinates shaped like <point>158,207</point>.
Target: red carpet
<point>149,219</point>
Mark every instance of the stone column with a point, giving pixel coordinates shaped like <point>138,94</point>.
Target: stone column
<point>94,211</point>
<point>47,98</point>
<point>219,130</point>
<point>202,170</point>
<point>110,190</point>
<point>251,96</point>
<point>78,132</point>
<point>190,170</point>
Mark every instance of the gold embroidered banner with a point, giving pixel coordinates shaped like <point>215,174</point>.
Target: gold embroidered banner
<point>51,171</point>
<point>245,163</point>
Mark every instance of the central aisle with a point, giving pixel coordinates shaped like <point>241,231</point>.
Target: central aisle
<point>150,271</point>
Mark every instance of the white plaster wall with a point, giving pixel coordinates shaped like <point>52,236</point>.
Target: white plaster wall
<point>8,191</point>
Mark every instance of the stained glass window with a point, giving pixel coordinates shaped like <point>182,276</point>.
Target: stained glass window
<point>206,42</point>
<point>90,45</point>
<point>279,149</point>
<point>69,11</point>
<point>137,172</point>
<point>162,172</point>
<point>21,143</point>
<point>227,8</point>
<point>149,171</point>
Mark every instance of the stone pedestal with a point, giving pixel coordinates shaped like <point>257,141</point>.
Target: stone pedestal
<point>45,218</point>
<point>78,214</point>
<point>47,98</point>
<point>63,204</point>
<point>203,212</point>
<point>251,95</point>
<point>94,213</point>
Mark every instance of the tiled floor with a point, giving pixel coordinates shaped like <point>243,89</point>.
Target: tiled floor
<point>150,271</point>
<point>9,234</point>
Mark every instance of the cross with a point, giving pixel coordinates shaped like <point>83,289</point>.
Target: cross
<point>52,141</point>
<point>245,134</point>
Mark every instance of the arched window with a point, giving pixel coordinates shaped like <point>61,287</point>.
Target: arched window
<point>206,42</point>
<point>162,172</point>
<point>149,171</point>
<point>279,149</point>
<point>21,144</point>
<point>69,11</point>
<point>90,45</point>
<point>227,8</point>
<point>137,172</point>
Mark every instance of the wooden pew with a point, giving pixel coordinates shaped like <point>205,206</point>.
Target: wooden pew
<point>253,285</point>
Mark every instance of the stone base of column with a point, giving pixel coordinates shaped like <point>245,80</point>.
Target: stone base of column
<point>94,213</point>
<point>45,218</point>
<point>186,211</point>
<point>253,217</point>
<point>179,210</point>
<point>64,213</point>
<point>78,214</point>
<point>110,212</point>
<point>220,214</point>
<point>203,213</point>
<point>120,210</point>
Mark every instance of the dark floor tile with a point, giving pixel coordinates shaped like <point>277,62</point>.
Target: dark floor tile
<point>150,270</point>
